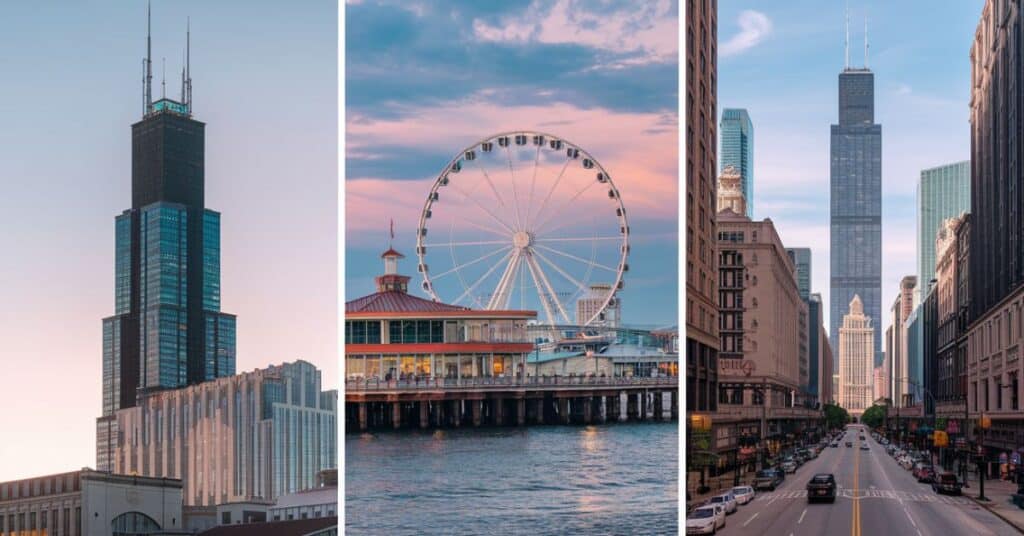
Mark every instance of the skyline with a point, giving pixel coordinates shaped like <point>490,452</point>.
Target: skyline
<point>921,99</point>
<point>264,218</point>
<point>570,72</point>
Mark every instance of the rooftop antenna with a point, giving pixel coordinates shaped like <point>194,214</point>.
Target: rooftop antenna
<point>865,42</point>
<point>148,90</point>
<point>163,80</point>
<point>847,42</point>
<point>188,64</point>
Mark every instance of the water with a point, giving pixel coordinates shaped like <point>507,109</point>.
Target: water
<point>610,479</point>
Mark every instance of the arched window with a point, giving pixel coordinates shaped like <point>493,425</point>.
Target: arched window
<point>133,524</point>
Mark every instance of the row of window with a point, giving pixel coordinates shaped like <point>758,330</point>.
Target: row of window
<point>44,521</point>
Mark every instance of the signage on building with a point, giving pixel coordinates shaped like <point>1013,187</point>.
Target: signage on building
<point>736,367</point>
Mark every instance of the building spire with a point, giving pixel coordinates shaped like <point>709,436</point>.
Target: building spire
<point>148,82</point>
<point>847,42</point>
<point>187,98</point>
<point>865,42</point>
<point>163,80</point>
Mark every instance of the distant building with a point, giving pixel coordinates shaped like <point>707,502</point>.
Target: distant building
<point>90,503</point>
<point>590,306</point>
<point>802,260</point>
<point>899,358</point>
<point>737,135</point>
<point>943,192</point>
<point>730,191</point>
<point>856,351</point>
<point>245,438</point>
<point>951,372</point>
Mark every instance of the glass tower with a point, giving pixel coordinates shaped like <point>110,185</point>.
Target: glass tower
<point>737,139</point>
<point>167,330</point>
<point>944,192</point>
<point>856,204</point>
<point>801,258</point>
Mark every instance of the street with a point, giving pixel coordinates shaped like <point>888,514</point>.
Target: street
<point>875,496</point>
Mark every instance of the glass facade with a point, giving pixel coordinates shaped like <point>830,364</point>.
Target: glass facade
<point>801,258</point>
<point>944,192</point>
<point>219,354</point>
<point>737,140</point>
<point>304,428</point>
<point>211,260</point>
<point>123,263</point>
<point>856,204</point>
<point>163,300</point>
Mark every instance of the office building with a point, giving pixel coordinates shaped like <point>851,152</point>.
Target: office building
<point>167,330</point>
<point>899,362</point>
<point>592,306</point>
<point>737,135</point>
<point>943,192</point>
<point>802,260</point>
<point>856,344</point>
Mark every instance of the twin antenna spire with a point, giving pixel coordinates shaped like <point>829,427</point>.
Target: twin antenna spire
<point>847,43</point>
<point>147,64</point>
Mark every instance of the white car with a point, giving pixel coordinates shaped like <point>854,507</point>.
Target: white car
<point>727,499</point>
<point>706,519</point>
<point>743,494</point>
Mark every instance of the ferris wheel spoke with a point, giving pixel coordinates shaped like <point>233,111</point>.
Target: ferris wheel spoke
<point>479,280</point>
<point>577,239</point>
<point>490,183</point>
<point>547,198</point>
<point>485,209</point>
<point>576,196</point>
<point>501,292</point>
<point>478,243</point>
<point>580,259</point>
<point>533,183</point>
<point>545,303</point>
<point>582,288</point>
<point>470,263</point>
<point>515,193</point>
<point>482,227</point>
<point>547,284</point>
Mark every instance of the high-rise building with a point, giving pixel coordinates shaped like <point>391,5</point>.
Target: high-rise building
<point>856,353</point>
<point>802,259</point>
<point>737,135</point>
<point>701,225</point>
<point>856,202</point>
<point>944,192</point>
<point>593,303</point>
<point>730,191</point>
<point>899,364</point>
<point>816,366</point>
<point>167,330</point>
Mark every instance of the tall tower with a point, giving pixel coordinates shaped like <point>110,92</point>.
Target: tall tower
<point>737,136</point>
<point>856,201</point>
<point>167,330</point>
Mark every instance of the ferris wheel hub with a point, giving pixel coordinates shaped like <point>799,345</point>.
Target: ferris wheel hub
<point>522,239</point>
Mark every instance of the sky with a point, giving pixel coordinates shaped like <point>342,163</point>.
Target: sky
<point>426,79</point>
<point>265,84</point>
<point>783,66</point>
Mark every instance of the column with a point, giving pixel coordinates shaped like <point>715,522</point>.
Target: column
<point>588,409</point>
<point>648,405</point>
<point>563,410</point>
<point>456,413</point>
<point>602,410</point>
<point>424,414</point>
<point>666,405</point>
<point>520,411</point>
<point>396,414</point>
<point>499,411</point>
<point>540,410</point>
<point>362,416</point>
<point>623,406</point>
<point>476,411</point>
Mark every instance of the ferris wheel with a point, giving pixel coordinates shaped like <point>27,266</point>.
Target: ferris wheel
<point>525,220</point>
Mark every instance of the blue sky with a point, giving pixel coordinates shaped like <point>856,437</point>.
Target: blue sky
<point>265,83</point>
<point>781,61</point>
<point>425,79</point>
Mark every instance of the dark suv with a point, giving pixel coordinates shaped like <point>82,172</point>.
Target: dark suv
<point>822,486</point>
<point>768,479</point>
<point>946,482</point>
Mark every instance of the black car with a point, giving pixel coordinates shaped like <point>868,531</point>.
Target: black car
<point>946,482</point>
<point>822,487</point>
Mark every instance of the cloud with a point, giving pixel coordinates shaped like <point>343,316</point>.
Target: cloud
<point>754,28</point>
<point>647,34</point>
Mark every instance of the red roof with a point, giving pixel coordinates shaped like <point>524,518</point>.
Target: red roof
<point>394,302</point>
<point>392,253</point>
<point>296,527</point>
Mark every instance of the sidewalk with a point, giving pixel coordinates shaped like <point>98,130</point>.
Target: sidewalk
<point>998,492</point>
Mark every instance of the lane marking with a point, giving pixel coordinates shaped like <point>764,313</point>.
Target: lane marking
<point>912,522</point>
<point>751,519</point>
<point>801,520</point>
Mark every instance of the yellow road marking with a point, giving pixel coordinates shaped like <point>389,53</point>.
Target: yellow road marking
<point>855,522</point>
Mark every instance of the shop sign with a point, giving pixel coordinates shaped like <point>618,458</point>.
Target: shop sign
<point>736,367</point>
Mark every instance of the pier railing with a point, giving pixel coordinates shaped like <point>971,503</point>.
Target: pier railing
<point>373,384</point>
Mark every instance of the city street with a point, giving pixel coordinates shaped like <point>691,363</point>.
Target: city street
<point>875,496</point>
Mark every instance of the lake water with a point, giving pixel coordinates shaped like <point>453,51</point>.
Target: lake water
<point>608,479</point>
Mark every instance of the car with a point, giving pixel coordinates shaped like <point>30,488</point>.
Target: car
<point>744,494</point>
<point>864,446</point>
<point>946,482</point>
<point>768,479</point>
<point>706,520</point>
<point>822,486</point>
<point>849,443</point>
<point>789,466</point>
<point>727,499</point>
<point>926,474</point>
<point>917,467</point>
<point>834,445</point>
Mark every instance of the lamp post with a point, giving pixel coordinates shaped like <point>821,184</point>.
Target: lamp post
<point>983,424</point>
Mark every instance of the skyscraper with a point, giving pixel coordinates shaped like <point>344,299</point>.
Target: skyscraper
<point>944,192</point>
<point>856,202</point>
<point>167,330</point>
<point>856,350</point>
<point>737,135</point>
<point>802,259</point>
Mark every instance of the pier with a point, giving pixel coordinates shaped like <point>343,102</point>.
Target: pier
<point>460,402</point>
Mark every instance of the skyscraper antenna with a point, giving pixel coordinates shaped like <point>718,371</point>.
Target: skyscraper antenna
<point>865,42</point>
<point>188,64</point>
<point>163,79</point>
<point>847,42</point>
<point>149,58</point>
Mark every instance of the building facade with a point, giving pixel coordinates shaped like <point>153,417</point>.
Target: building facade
<point>701,228</point>
<point>856,202</point>
<point>592,306</point>
<point>856,356</point>
<point>737,137</point>
<point>951,373</point>
<point>167,330</point>
<point>802,260</point>
<point>90,503</point>
<point>250,437</point>
<point>899,363</point>
<point>943,192</point>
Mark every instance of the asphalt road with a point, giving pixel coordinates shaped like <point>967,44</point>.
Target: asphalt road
<point>875,497</point>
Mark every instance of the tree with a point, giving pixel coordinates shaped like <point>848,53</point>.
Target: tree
<point>873,417</point>
<point>835,416</point>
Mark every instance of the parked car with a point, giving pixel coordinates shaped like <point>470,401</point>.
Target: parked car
<point>946,482</point>
<point>727,499</point>
<point>789,466</point>
<point>706,520</point>
<point>849,444</point>
<point>918,467</point>
<point>768,479</point>
<point>926,474</point>
<point>744,494</point>
<point>822,487</point>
